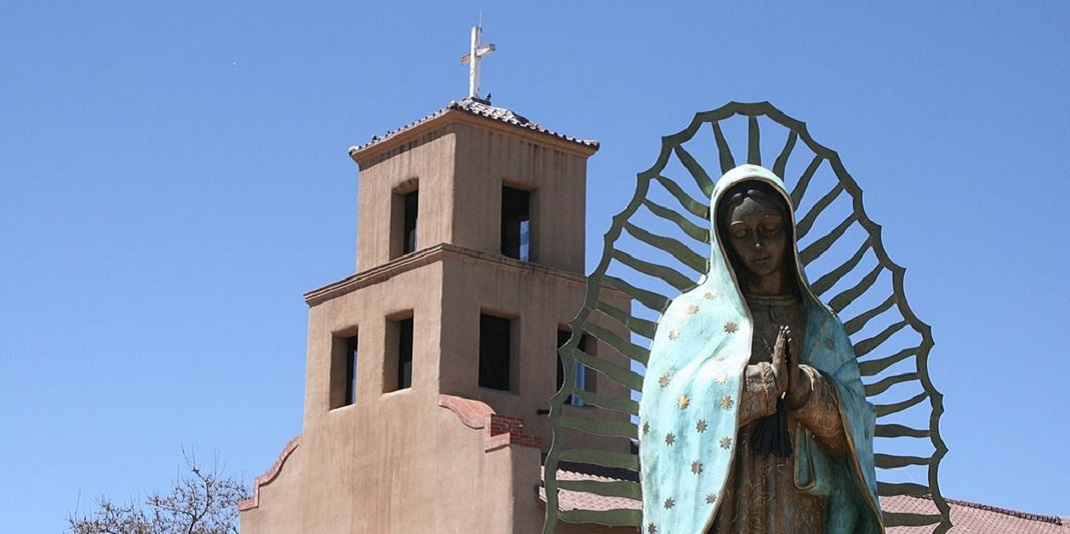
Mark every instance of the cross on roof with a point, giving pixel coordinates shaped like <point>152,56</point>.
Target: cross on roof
<point>472,58</point>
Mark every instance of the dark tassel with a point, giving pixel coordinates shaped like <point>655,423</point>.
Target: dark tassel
<point>771,436</point>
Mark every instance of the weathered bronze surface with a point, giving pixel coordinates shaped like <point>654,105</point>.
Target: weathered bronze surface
<point>657,247</point>
<point>789,413</point>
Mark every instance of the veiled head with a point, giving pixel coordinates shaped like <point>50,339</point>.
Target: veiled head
<point>755,227</point>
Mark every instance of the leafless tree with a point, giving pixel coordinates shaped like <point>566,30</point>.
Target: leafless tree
<point>201,502</point>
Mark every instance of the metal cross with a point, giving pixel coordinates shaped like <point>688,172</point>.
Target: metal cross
<point>472,58</point>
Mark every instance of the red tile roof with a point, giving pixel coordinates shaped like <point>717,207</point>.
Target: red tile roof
<point>578,500</point>
<point>966,517</point>
<point>480,108</point>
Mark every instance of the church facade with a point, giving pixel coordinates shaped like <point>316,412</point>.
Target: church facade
<point>430,370</point>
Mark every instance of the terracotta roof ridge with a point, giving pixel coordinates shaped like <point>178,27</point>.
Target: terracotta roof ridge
<point>1055,520</point>
<point>390,133</point>
<point>584,468</point>
<point>482,108</point>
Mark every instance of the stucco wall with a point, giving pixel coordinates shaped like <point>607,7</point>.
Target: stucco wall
<point>426,164</point>
<point>396,461</point>
<point>459,170</point>
<point>440,481</point>
<point>487,160</point>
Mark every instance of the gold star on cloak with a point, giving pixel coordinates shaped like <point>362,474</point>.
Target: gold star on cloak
<point>731,327</point>
<point>691,310</point>
<point>721,357</point>
<point>709,295</point>
<point>726,442</point>
<point>651,528</point>
<point>664,380</point>
<point>670,438</point>
<point>696,467</point>
<point>669,503</point>
<point>684,401</point>
<point>727,402</point>
<point>700,426</point>
<point>674,334</point>
<point>646,428</point>
<point>721,377</point>
<point>829,343</point>
<point>711,498</point>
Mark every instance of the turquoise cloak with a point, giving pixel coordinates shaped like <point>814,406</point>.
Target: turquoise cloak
<point>691,392</point>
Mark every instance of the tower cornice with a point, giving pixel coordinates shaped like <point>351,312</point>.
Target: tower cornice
<point>428,256</point>
<point>476,113</point>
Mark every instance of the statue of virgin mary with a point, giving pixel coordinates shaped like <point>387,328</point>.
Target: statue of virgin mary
<point>753,417</point>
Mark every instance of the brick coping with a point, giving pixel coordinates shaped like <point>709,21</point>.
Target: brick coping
<point>266,478</point>
<point>499,430</point>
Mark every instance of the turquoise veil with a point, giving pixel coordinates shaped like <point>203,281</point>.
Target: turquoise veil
<point>691,391</point>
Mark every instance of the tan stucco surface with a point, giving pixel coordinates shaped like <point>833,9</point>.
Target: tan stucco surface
<point>459,169</point>
<point>397,461</point>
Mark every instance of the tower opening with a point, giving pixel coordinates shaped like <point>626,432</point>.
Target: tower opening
<point>495,352</point>
<point>343,378</point>
<point>351,370</point>
<point>398,366</point>
<point>585,376</point>
<point>516,223</point>
<point>411,207</point>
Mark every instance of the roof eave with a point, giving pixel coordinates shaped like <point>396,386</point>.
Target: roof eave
<point>366,153</point>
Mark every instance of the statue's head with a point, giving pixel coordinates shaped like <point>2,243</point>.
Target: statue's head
<point>755,226</point>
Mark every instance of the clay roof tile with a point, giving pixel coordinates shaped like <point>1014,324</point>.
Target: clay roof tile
<point>966,517</point>
<point>484,109</point>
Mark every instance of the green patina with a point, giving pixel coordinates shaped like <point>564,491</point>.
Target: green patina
<point>668,214</point>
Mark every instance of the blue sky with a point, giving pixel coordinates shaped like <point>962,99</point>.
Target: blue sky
<point>174,176</point>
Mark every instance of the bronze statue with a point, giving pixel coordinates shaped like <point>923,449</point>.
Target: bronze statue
<point>753,417</point>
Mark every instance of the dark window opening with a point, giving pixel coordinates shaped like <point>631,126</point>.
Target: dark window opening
<point>351,371</point>
<point>405,353</point>
<point>343,375</point>
<point>585,376</point>
<point>412,205</point>
<point>495,352</point>
<point>397,367</point>
<point>516,223</point>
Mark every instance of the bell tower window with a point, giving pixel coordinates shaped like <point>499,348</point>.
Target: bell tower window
<point>404,217</point>
<point>495,352</point>
<point>343,379</point>
<point>412,205</point>
<point>516,223</point>
<point>397,369</point>
<point>585,376</point>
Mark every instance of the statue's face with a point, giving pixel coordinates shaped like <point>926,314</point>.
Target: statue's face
<point>756,233</point>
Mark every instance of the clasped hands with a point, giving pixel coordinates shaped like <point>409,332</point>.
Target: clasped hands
<point>790,379</point>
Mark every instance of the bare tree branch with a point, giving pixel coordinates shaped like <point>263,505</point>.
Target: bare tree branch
<point>201,502</point>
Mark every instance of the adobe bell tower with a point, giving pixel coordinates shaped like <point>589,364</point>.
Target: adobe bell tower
<point>429,370</point>
<point>493,205</point>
